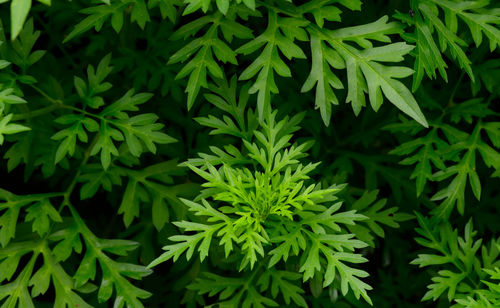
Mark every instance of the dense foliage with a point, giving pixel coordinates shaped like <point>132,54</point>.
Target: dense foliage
<point>165,153</point>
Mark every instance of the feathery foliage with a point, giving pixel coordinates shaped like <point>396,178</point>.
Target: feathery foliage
<point>219,153</point>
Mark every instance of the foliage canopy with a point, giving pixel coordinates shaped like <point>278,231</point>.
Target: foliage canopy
<point>219,153</point>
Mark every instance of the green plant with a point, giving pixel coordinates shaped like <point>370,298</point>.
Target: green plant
<point>165,152</point>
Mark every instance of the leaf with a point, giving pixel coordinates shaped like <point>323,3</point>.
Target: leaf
<point>153,185</point>
<point>233,291</point>
<point>97,16</point>
<point>448,248</point>
<point>10,210</point>
<point>39,278</point>
<point>222,5</point>
<point>426,20</point>
<point>8,223</point>
<point>463,170</point>
<point>376,214</point>
<point>335,263</point>
<point>20,50</point>
<point>70,241</point>
<point>7,128</point>
<point>19,10</point>
<point>115,274</point>
<point>78,130</point>
<point>4,64</point>
<point>41,214</point>
<point>143,128</point>
<point>203,51</point>
<point>224,97</point>
<point>282,282</point>
<point>61,280</point>
<point>188,243</point>
<point>449,37</point>
<point>365,73</point>
<point>454,158</point>
<point>128,102</point>
<point>6,97</point>
<point>105,144</point>
<point>94,177</point>
<point>479,22</point>
<point>116,125</point>
<point>17,292</point>
<point>269,60</point>
<point>425,151</point>
<point>140,13</point>
<point>322,58</point>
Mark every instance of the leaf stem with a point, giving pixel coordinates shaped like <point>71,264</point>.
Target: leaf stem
<point>47,97</point>
<point>455,88</point>
<point>71,187</point>
<point>34,114</point>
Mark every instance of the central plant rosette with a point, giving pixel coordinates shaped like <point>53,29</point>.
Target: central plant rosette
<point>257,205</point>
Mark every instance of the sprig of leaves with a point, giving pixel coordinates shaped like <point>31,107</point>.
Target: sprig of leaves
<point>465,278</point>
<point>365,73</point>
<point>140,132</point>
<point>56,239</point>
<point>453,157</point>
<point>426,21</point>
<point>248,210</point>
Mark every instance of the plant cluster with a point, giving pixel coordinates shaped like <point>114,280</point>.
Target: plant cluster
<point>167,153</point>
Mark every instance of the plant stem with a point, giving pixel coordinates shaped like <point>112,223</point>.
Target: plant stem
<point>455,88</point>
<point>71,187</point>
<point>34,114</point>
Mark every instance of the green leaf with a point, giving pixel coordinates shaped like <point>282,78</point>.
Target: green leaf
<point>16,292</point>
<point>4,64</point>
<point>425,151</point>
<point>97,16</point>
<point>268,62</point>
<point>42,213</point>
<point>140,13</point>
<point>69,241</point>
<point>7,128</point>
<point>115,275</point>
<point>376,213</point>
<point>233,291</point>
<point>94,177</point>
<point>322,247</point>
<point>365,73</point>
<point>323,77</point>
<point>78,130</point>
<point>202,50</point>
<point>426,19</point>
<point>143,128</point>
<point>19,10</point>
<point>282,282</point>
<point>448,249</point>
<point>6,97</point>
<point>105,144</point>
<point>464,169</point>
<point>188,243</point>
<point>152,185</point>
